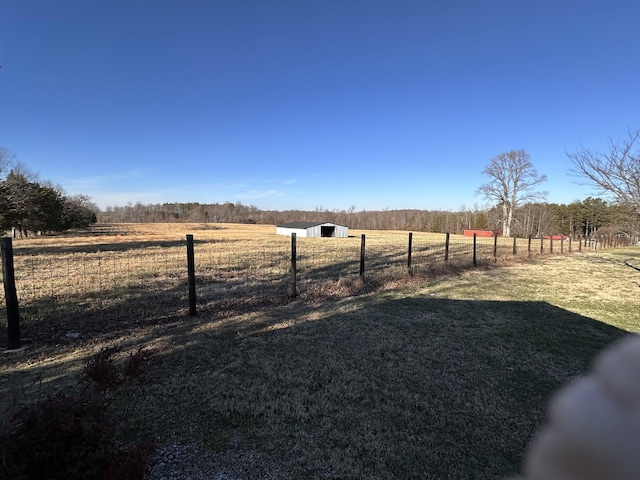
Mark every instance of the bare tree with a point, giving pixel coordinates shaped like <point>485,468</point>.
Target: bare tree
<point>513,182</point>
<point>615,173</point>
<point>7,160</point>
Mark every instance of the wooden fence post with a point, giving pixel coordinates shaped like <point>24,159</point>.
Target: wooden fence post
<point>191,274</point>
<point>551,244</point>
<point>515,247</point>
<point>529,246</point>
<point>294,266</point>
<point>495,247</point>
<point>10,295</point>
<point>409,253</point>
<point>570,244</point>
<point>562,244</point>
<point>541,245</point>
<point>446,250</point>
<point>475,249</point>
<point>362,250</point>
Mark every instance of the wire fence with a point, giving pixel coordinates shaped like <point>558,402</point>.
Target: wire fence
<point>60,291</point>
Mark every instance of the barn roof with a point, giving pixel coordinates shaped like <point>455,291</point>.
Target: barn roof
<point>303,224</point>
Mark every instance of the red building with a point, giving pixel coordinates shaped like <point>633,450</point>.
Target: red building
<point>482,233</point>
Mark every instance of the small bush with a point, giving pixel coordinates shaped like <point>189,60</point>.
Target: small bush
<point>102,373</point>
<point>74,436</point>
<point>137,365</point>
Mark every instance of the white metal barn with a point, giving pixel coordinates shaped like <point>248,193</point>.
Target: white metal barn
<point>313,229</point>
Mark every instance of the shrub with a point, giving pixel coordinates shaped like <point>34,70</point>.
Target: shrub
<point>74,436</point>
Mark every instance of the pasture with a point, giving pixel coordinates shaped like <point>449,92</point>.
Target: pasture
<point>441,375</point>
<point>116,272</point>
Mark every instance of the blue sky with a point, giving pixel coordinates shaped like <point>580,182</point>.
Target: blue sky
<point>303,104</point>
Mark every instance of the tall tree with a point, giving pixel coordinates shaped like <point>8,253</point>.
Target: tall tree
<point>28,205</point>
<point>44,209</point>
<point>513,180</point>
<point>18,190</point>
<point>7,160</point>
<point>78,211</point>
<point>594,214</point>
<point>614,173</point>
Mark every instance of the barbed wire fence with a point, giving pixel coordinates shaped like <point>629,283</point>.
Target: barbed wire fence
<point>61,293</point>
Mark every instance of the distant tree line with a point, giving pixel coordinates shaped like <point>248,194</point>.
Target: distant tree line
<point>518,207</point>
<point>27,205</point>
<point>585,217</point>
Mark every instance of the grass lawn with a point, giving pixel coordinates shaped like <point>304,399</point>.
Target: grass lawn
<point>444,379</point>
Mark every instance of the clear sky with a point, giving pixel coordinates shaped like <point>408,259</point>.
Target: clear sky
<point>302,104</point>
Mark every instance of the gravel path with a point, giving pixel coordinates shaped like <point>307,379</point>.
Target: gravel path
<point>188,462</point>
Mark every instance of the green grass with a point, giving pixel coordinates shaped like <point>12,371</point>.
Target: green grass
<point>446,379</point>
<point>413,387</point>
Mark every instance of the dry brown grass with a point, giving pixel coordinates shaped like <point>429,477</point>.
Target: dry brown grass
<point>446,377</point>
<point>126,235</point>
<point>115,271</point>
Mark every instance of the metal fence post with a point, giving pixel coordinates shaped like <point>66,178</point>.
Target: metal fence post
<point>409,253</point>
<point>10,294</point>
<point>191,273</point>
<point>362,250</point>
<point>475,249</point>
<point>446,250</point>
<point>294,266</point>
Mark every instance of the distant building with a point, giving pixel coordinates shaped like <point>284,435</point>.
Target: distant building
<point>482,233</point>
<point>313,229</point>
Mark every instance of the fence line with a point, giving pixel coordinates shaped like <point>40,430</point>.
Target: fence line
<point>55,292</point>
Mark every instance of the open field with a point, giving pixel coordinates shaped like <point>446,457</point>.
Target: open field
<point>116,272</point>
<point>446,377</point>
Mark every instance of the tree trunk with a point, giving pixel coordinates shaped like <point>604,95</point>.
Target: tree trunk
<point>507,212</point>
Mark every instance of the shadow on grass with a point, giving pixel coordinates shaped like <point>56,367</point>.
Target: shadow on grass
<point>381,389</point>
<point>374,387</point>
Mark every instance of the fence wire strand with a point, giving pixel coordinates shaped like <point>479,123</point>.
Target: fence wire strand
<point>62,290</point>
